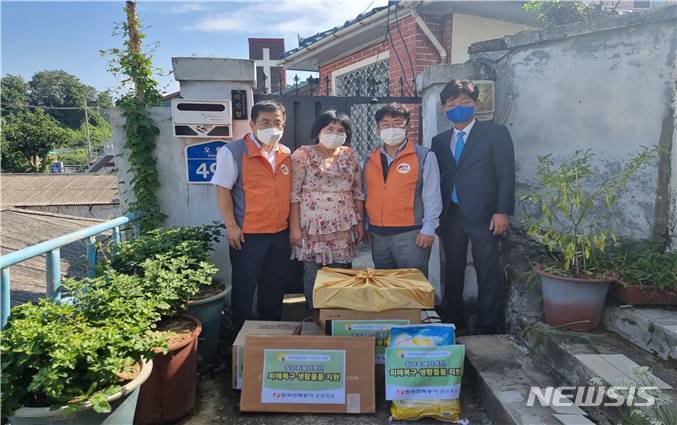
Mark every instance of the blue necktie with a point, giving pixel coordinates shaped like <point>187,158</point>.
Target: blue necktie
<point>458,151</point>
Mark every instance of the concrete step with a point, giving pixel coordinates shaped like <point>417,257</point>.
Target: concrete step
<point>575,358</point>
<point>652,329</point>
<point>502,373</point>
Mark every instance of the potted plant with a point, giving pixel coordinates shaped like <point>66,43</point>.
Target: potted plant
<point>570,217</point>
<point>171,389</point>
<point>195,243</point>
<point>647,273</point>
<point>80,362</point>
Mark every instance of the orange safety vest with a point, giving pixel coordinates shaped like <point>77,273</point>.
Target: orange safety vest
<point>261,196</point>
<point>393,202</point>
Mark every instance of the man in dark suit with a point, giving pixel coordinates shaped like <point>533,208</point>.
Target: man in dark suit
<point>477,173</point>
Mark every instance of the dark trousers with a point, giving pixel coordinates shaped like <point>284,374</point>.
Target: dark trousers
<point>263,263</point>
<point>455,231</point>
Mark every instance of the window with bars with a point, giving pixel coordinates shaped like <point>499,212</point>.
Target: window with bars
<point>369,80</point>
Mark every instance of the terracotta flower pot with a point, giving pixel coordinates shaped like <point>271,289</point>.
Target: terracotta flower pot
<point>572,303</point>
<point>643,295</point>
<point>123,406</point>
<point>169,392</point>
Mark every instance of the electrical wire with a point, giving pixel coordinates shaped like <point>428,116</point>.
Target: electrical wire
<point>406,49</point>
<point>397,55</point>
<point>49,107</point>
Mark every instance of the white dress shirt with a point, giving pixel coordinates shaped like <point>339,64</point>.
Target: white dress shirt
<point>454,137</point>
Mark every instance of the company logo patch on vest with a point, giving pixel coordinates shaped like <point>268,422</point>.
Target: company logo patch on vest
<point>403,168</point>
<point>284,169</point>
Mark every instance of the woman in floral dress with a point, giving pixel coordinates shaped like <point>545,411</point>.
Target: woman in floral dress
<point>327,204</point>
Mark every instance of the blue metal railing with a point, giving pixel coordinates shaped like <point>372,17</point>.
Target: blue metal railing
<point>52,248</point>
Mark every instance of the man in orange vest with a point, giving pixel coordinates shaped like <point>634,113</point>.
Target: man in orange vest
<point>253,186</point>
<point>403,202</point>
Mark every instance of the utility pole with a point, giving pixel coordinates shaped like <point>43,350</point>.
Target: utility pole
<point>89,139</point>
<point>134,43</point>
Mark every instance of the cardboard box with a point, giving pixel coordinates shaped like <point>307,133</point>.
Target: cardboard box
<point>308,374</point>
<point>261,327</point>
<point>329,314</point>
<point>370,327</point>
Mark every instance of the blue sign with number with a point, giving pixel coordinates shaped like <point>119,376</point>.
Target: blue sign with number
<point>201,161</point>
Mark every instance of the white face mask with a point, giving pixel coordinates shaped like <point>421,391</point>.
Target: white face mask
<point>332,141</point>
<point>392,136</point>
<point>269,136</point>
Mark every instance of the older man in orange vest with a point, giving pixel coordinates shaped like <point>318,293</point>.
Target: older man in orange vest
<point>253,186</point>
<point>403,202</point>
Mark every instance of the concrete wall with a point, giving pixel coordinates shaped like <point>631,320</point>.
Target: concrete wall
<point>608,85</point>
<point>469,29</point>
<point>188,204</point>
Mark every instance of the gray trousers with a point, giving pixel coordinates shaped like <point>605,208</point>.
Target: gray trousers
<point>399,251</point>
<point>310,269</point>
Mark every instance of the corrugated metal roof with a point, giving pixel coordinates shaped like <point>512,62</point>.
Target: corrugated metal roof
<point>23,228</point>
<point>320,35</point>
<point>28,190</point>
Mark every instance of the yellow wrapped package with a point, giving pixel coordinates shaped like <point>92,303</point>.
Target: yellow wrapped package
<point>372,289</point>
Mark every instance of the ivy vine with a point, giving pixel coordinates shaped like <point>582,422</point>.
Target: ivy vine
<point>134,68</point>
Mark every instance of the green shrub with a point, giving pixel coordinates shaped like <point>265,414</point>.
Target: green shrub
<point>52,355</point>
<point>193,242</point>
<point>645,263</point>
<point>173,281</point>
<point>73,352</point>
<point>570,213</point>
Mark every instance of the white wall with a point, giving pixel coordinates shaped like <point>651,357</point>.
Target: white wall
<point>188,204</point>
<point>468,29</point>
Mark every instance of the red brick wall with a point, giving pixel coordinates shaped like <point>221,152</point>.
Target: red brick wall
<point>447,22</point>
<point>421,52</point>
<point>328,68</point>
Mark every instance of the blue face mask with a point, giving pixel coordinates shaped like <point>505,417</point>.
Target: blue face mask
<point>461,113</point>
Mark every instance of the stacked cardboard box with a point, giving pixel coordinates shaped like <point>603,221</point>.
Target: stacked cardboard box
<point>407,288</point>
<point>260,327</point>
<point>307,372</point>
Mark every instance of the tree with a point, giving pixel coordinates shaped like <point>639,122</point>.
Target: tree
<point>61,89</point>
<point>104,101</point>
<point>27,140</point>
<point>14,95</point>
<point>558,12</point>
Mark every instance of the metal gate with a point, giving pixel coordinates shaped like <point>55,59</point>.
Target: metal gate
<point>302,111</point>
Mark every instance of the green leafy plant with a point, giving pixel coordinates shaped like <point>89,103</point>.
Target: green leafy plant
<point>558,12</point>
<point>644,263</point>
<point>194,243</point>
<point>570,215</point>
<point>78,351</point>
<point>661,412</point>
<point>134,66</point>
<point>173,281</point>
<point>54,354</point>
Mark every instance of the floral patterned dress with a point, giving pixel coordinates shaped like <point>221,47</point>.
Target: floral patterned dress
<point>326,193</point>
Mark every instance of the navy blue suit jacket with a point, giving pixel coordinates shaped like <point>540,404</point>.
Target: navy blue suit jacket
<point>485,175</point>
